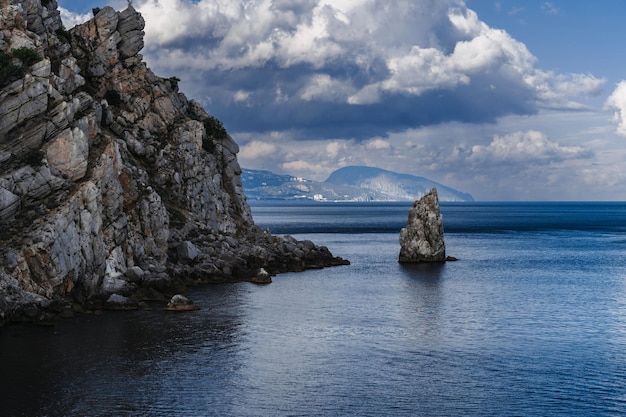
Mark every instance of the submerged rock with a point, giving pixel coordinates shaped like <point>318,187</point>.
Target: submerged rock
<point>422,239</point>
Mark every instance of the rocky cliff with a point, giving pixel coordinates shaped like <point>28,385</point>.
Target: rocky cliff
<point>113,185</point>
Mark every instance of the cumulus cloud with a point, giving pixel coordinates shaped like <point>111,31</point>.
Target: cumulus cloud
<point>377,144</point>
<point>71,19</point>
<point>359,68</point>
<point>323,87</point>
<point>334,148</point>
<point>617,103</point>
<point>306,168</point>
<point>530,147</point>
<point>257,149</point>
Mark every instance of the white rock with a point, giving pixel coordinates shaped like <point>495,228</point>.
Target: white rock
<point>68,153</point>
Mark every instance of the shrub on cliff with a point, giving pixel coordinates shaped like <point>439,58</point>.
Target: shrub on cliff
<point>174,82</point>
<point>215,128</point>
<point>8,70</point>
<point>26,55</point>
<point>64,35</point>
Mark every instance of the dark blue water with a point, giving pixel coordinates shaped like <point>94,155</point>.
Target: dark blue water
<point>531,321</point>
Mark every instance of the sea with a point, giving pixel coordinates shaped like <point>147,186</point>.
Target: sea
<point>530,321</point>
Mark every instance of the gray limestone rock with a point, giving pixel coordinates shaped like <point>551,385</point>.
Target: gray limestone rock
<point>108,174</point>
<point>9,203</point>
<point>130,27</point>
<point>187,251</point>
<point>422,239</point>
<point>120,302</point>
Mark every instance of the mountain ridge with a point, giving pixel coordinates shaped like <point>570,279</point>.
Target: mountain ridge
<point>408,186</point>
<point>354,183</point>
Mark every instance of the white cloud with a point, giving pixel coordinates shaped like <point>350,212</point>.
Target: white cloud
<point>306,168</point>
<point>549,8</point>
<point>241,96</point>
<point>257,149</point>
<point>420,70</point>
<point>376,144</point>
<point>529,147</point>
<point>617,103</point>
<point>351,52</point>
<point>334,148</point>
<point>71,19</point>
<point>324,88</point>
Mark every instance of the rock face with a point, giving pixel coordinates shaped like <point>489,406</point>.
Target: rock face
<point>111,181</point>
<point>422,239</point>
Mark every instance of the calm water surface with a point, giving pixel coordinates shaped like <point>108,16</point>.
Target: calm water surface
<point>530,321</point>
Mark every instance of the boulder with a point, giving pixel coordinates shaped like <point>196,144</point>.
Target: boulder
<point>422,239</point>
<point>134,274</point>
<point>119,302</point>
<point>187,251</point>
<point>261,277</point>
<point>181,303</point>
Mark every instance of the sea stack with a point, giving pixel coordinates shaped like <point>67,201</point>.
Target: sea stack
<point>422,239</point>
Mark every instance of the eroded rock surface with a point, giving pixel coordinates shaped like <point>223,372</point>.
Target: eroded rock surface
<point>422,239</point>
<point>114,187</point>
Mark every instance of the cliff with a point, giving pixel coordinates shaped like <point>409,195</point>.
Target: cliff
<point>114,185</point>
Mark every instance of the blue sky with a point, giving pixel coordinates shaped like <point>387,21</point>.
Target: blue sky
<point>506,100</point>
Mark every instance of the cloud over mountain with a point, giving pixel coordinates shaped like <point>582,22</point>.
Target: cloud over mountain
<point>419,86</point>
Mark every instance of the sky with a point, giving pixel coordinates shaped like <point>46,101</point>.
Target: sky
<point>509,100</point>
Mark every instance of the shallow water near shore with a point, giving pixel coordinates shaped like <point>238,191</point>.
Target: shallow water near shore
<point>530,321</point>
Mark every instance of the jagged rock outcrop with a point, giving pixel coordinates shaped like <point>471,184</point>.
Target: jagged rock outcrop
<point>114,187</point>
<point>422,239</point>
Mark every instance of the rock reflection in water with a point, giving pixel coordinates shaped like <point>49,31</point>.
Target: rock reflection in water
<point>105,365</point>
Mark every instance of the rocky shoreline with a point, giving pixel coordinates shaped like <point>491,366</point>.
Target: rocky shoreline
<point>113,184</point>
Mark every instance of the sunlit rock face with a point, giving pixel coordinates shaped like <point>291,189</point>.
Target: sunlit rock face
<point>106,169</point>
<point>422,239</point>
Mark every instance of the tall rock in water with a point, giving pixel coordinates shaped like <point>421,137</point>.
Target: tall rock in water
<point>422,239</point>
<point>111,179</point>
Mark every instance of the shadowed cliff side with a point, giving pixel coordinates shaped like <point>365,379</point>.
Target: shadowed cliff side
<point>111,181</point>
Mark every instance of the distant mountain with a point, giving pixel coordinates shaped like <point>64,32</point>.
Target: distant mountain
<point>345,184</point>
<point>395,186</point>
